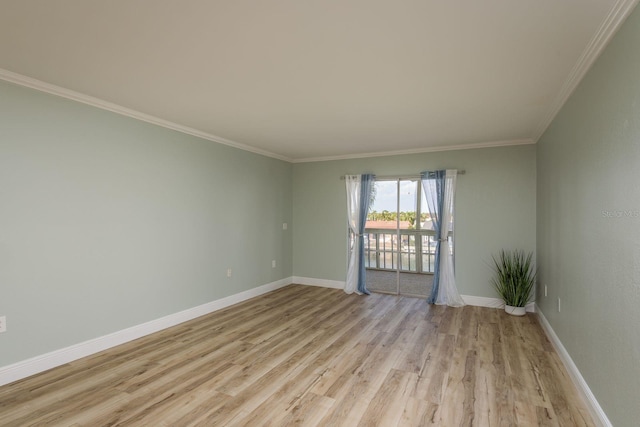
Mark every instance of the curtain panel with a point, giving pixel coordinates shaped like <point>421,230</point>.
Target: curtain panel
<point>359,188</point>
<point>439,190</point>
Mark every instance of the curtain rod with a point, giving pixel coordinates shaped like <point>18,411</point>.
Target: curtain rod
<point>390,177</point>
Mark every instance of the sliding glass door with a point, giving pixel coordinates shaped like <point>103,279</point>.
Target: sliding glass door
<point>399,239</point>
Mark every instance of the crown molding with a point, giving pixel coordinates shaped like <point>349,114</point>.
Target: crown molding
<point>614,20</point>
<point>21,80</point>
<point>490,144</point>
<point>39,85</point>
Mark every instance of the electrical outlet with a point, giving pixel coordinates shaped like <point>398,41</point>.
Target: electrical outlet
<point>3,324</point>
<point>284,226</point>
<point>273,264</point>
<point>558,305</point>
<point>228,272</point>
<point>545,290</point>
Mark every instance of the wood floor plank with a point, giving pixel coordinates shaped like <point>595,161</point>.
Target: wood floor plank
<point>308,412</point>
<point>418,413</point>
<point>313,356</point>
<point>353,398</point>
<point>546,417</point>
<point>387,406</point>
<point>526,414</point>
<point>270,382</point>
<point>415,351</point>
<point>434,375</point>
<point>340,370</point>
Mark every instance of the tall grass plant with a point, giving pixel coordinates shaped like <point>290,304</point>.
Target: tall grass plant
<point>515,277</point>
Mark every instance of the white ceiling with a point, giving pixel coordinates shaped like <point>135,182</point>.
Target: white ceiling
<point>304,80</point>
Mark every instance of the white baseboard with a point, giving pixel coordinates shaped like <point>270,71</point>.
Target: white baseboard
<point>492,302</point>
<point>598,415</point>
<point>324,283</point>
<point>468,299</point>
<point>26,368</point>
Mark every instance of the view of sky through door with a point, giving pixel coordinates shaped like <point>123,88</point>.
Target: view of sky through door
<point>387,196</point>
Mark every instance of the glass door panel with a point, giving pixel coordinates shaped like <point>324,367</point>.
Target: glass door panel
<point>428,247</point>
<point>407,224</point>
<point>381,239</point>
<point>409,281</point>
<point>399,241</point>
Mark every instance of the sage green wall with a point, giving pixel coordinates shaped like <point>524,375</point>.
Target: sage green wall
<point>589,225</point>
<point>495,209</point>
<point>108,222</point>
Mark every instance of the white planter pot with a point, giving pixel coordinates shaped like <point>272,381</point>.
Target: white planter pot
<point>515,311</point>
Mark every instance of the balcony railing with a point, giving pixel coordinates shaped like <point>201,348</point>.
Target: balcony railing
<point>417,249</point>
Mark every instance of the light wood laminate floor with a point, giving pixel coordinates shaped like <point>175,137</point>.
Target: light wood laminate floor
<point>313,356</point>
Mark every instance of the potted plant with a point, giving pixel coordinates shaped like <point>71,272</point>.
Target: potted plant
<point>514,280</point>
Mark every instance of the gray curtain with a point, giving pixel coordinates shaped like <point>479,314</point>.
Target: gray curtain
<point>433,187</point>
<point>366,187</point>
